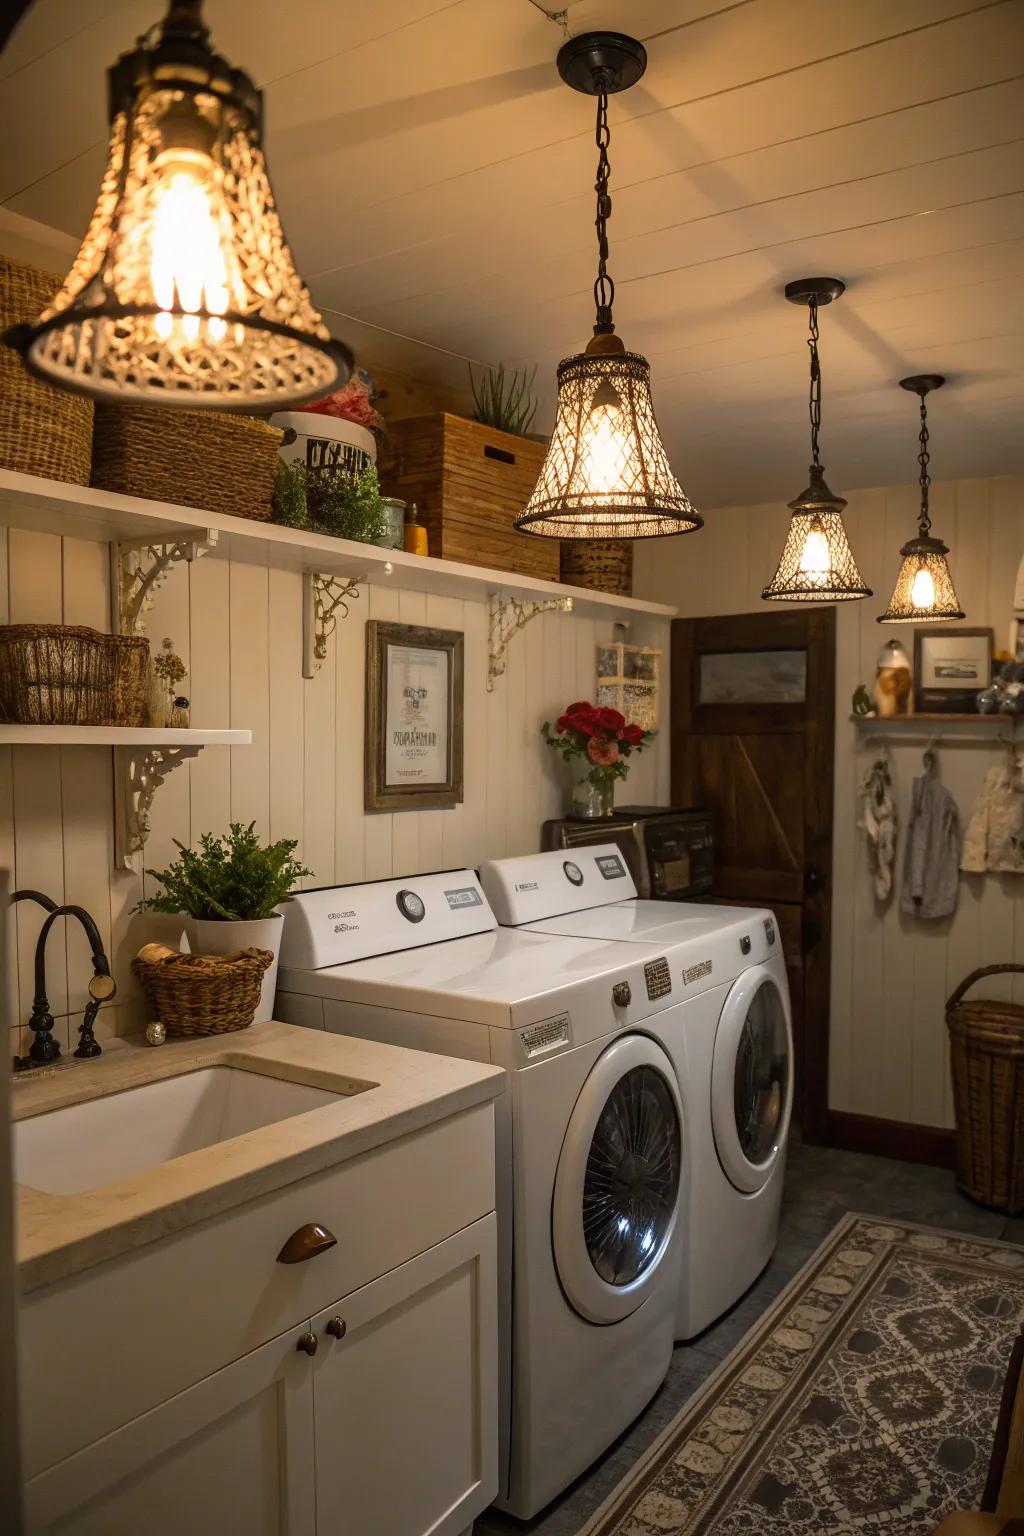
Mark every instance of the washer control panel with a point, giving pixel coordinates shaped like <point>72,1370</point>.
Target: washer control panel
<point>658,978</point>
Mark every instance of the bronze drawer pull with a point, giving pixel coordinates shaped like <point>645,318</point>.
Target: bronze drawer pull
<point>337,1328</point>
<point>306,1243</point>
<point>308,1344</point>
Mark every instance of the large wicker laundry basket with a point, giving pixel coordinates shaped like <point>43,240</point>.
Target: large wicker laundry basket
<point>986,1041</point>
<point>43,430</point>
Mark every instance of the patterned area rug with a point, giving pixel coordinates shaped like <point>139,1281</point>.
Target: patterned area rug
<point>864,1401</point>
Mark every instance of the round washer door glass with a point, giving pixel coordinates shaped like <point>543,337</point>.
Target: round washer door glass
<point>617,1186</point>
<point>752,1079</point>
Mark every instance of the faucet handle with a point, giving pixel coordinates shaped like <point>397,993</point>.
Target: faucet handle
<point>102,987</point>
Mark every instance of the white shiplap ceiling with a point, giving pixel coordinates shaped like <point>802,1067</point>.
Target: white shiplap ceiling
<point>435,179</point>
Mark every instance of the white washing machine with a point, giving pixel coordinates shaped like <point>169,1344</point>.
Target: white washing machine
<point>591,1138</point>
<point>731,1045</point>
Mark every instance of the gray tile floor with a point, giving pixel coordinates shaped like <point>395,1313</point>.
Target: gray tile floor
<point>821,1186</point>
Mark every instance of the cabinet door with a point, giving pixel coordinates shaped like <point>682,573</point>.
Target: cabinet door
<point>231,1456</point>
<point>405,1401</point>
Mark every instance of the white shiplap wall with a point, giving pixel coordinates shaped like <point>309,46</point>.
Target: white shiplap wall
<point>890,975</point>
<point>238,629</point>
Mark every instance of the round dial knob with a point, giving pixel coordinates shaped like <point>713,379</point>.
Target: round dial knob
<point>411,906</point>
<point>573,872</point>
<point>622,994</point>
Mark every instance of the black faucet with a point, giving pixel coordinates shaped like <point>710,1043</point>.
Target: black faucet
<point>44,1048</point>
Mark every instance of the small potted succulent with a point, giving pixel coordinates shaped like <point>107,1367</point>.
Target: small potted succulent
<point>229,891</point>
<point>336,432</point>
<point>602,742</point>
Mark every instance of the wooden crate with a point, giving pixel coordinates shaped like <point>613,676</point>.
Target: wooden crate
<point>469,482</point>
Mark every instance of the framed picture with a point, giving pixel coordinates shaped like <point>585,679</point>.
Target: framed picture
<point>414,717</point>
<point>951,667</point>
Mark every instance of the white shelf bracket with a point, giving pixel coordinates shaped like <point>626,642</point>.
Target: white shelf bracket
<point>324,600</point>
<point>506,616</point>
<point>138,774</point>
<point>136,570</point>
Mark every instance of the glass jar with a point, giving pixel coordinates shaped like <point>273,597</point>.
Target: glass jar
<point>592,800</point>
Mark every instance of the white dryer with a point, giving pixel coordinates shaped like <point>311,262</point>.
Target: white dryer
<point>591,1139</point>
<point>731,1045</point>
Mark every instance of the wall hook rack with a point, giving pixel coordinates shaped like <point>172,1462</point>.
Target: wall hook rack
<point>506,616</point>
<point>324,599</point>
<point>136,570</point>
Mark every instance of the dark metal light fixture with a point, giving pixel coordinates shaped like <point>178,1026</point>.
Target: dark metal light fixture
<point>817,564</point>
<point>184,291</point>
<point>924,588</point>
<point>606,475</point>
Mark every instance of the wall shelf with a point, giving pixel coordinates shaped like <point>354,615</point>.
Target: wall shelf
<point>953,727</point>
<point>117,736</point>
<point>81,512</point>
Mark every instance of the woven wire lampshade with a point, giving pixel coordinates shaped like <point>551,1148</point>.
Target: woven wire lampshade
<point>817,564</point>
<point>924,589</point>
<point>606,475</point>
<point>184,291</point>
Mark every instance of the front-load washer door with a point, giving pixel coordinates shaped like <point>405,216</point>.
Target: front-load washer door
<point>617,1185</point>
<point>752,1078</point>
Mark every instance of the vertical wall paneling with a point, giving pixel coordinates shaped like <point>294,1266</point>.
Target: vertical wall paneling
<point>250,693</point>
<point>349,838</point>
<point>285,703</point>
<point>383,605</point>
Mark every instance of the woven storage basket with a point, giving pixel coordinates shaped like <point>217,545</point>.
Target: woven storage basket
<point>202,459</point>
<point>203,994</point>
<point>986,1041</point>
<point>61,674</point>
<point>43,431</point>
<point>605,565</point>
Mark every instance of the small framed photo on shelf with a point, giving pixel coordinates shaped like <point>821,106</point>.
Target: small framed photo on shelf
<point>414,717</point>
<point>951,667</point>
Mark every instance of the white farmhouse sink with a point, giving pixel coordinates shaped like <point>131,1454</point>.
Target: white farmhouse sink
<point>78,1148</point>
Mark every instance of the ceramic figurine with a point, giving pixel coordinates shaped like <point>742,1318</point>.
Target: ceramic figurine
<point>892,681</point>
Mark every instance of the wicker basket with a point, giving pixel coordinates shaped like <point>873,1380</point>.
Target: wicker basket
<point>43,431</point>
<point>204,459</point>
<point>605,565</point>
<point>59,674</point>
<point>203,994</point>
<point>987,1048</point>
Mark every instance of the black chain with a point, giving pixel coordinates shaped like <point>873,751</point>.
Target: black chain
<point>604,288</point>
<point>814,404</point>
<point>925,522</point>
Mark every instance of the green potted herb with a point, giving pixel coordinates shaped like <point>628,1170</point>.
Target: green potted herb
<point>331,500</point>
<point>229,890</point>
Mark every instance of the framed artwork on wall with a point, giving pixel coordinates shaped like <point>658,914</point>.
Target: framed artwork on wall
<point>414,717</point>
<point>951,667</point>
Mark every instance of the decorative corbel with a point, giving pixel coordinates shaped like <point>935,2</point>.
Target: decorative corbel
<point>137,570</point>
<point>322,598</point>
<point>138,774</point>
<point>506,616</point>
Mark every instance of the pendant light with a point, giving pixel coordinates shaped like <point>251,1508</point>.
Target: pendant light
<point>184,291</point>
<point>924,588</point>
<point>817,564</point>
<point>606,475</point>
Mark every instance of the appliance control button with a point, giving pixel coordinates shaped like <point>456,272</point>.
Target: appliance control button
<point>573,872</point>
<point>411,906</point>
<point>769,930</point>
<point>745,944</point>
<point>622,994</point>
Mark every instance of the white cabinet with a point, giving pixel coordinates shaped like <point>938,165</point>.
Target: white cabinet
<point>404,1396</point>
<point>232,1455</point>
<point>375,1417</point>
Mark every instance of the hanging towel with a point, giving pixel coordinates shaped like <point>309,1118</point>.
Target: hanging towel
<point>931,874</point>
<point>879,822</point>
<point>994,839</point>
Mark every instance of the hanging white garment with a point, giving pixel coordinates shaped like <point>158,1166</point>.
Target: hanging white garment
<point>880,826</point>
<point>994,839</point>
<point>931,867</point>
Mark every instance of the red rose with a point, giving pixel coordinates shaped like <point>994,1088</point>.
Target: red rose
<point>581,707</point>
<point>610,720</point>
<point>602,751</point>
<point>563,723</point>
<point>633,736</point>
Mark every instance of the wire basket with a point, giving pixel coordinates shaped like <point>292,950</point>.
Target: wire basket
<point>204,459</point>
<point>605,565</point>
<point>987,1051</point>
<point>62,674</point>
<point>203,994</point>
<point>43,431</point>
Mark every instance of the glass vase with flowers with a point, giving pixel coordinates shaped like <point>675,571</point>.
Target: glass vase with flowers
<point>601,743</point>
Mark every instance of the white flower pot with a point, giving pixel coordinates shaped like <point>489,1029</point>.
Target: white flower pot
<point>321,441</point>
<point>207,936</point>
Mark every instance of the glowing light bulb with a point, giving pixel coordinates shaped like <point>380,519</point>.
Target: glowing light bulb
<point>188,267</point>
<point>605,444</point>
<point>922,593</point>
<point>815,562</point>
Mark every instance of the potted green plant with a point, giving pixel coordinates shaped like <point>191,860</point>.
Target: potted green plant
<point>230,890</point>
<point>331,501</point>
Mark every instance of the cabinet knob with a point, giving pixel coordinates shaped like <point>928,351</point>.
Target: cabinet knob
<point>308,1344</point>
<point>337,1328</point>
<point>306,1243</point>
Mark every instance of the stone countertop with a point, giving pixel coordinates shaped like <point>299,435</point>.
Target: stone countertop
<point>386,1092</point>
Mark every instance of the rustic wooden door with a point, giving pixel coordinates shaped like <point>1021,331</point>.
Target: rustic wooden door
<point>753,707</point>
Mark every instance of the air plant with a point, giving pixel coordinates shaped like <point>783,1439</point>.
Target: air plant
<point>504,399</point>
